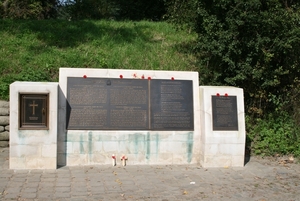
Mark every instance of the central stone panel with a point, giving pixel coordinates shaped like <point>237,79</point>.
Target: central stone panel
<point>129,104</point>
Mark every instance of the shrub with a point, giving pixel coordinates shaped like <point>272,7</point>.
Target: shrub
<point>273,135</point>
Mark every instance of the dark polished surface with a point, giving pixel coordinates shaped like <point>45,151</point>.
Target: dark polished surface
<point>105,103</point>
<point>34,111</point>
<point>224,109</point>
<point>172,105</point>
<point>129,104</point>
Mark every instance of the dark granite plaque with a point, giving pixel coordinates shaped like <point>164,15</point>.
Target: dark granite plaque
<point>107,103</point>
<point>129,104</point>
<point>172,105</point>
<point>225,117</point>
<point>33,111</point>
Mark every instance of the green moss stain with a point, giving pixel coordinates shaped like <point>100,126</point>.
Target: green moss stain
<point>81,144</point>
<point>157,144</point>
<point>90,147</point>
<point>21,137</point>
<point>148,147</point>
<point>137,143</point>
<point>90,142</point>
<point>190,143</point>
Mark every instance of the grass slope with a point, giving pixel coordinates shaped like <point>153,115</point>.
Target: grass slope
<point>34,50</point>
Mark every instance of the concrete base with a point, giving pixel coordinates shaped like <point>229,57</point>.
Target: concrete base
<point>33,149</point>
<point>140,147</point>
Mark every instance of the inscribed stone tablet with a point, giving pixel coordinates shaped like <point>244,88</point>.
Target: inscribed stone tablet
<point>107,103</point>
<point>172,105</point>
<point>224,109</point>
<point>33,111</point>
<point>129,104</point>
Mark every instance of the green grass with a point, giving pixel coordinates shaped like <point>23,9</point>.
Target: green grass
<point>33,50</point>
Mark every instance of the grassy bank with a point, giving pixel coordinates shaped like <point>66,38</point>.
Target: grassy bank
<point>34,50</point>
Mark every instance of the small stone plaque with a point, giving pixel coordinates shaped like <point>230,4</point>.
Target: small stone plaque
<point>33,111</point>
<point>225,117</point>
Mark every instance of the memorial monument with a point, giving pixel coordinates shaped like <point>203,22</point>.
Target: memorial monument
<point>100,116</point>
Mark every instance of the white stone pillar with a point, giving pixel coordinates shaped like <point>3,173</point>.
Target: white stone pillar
<point>33,148</point>
<point>222,138</point>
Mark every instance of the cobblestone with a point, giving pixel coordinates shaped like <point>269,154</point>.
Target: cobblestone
<point>260,180</point>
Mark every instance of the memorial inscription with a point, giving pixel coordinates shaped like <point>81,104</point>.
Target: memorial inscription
<point>172,105</point>
<point>33,111</point>
<point>129,104</point>
<point>224,109</point>
<point>107,103</point>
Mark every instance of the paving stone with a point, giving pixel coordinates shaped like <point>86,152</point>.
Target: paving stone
<point>44,195</point>
<point>14,184</point>
<point>79,189</point>
<point>97,190</point>
<point>62,195</point>
<point>33,179</point>
<point>97,183</point>
<point>20,173</point>
<point>64,180</point>
<point>31,185</point>
<point>46,190</point>
<point>11,196</point>
<point>63,184</point>
<point>48,179</point>
<point>62,189</point>
<point>79,193</point>
<point>19,179</point>
<point>28,195</point>
<point>29,190</point>
<point>78,184</point>
<point>15,190</point>
<point>258,180</point>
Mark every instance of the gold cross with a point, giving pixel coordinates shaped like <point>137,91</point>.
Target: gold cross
<point>33,105</point>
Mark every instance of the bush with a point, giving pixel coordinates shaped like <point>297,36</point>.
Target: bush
<point>113,9</point>
<point>273,135</point>
<point>254,45</point>
<point>28,9</point>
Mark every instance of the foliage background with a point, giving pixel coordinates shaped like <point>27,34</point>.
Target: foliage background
<point>252,44</point>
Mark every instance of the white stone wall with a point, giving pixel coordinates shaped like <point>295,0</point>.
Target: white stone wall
<point>4,123</point>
